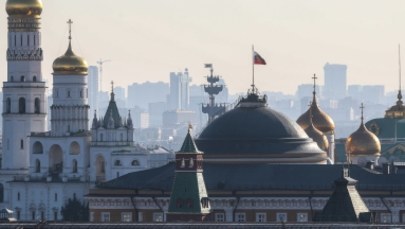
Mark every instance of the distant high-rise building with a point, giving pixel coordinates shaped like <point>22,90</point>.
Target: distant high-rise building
<point>143,94</point>
<point>335,81</point>
<point>179,97</point>
<point>93,84</point>
<point>120,97</point>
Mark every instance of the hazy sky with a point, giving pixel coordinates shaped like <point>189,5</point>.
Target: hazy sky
<point>147,39</point>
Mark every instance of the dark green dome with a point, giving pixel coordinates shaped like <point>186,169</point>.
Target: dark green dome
<point>254,132</point>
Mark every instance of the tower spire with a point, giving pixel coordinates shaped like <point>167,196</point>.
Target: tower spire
<point>399,74</point>
<point>362,114</point>
<point>314,78</point>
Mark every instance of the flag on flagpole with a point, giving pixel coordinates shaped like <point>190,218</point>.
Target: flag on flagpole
<point>257,59</point>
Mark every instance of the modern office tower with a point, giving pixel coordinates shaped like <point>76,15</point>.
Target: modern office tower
<point>367,93</point>
<point>93,85</point>
<point>120,97</point>
<point>179,97</point>
<point>335,81</point>
<point>143,94</point>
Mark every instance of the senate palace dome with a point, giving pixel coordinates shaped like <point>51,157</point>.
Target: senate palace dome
<point>24,7</point>
<point>254,133</point>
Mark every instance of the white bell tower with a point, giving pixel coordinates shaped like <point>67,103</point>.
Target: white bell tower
<point>24,98</point>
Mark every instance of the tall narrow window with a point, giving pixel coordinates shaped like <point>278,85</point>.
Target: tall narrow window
<point>74,170</point>
<point>11,78</point>
<point>37,166</point>
<point>34,78</point>
<point>56,196</point>
<point>15,40</point>
<point>22,78</point>
<point>8,105</point>
<point>18,196</point>
<point>21,105</point>
<point>21,144</point>
<point>35,42</point>
<point>37,105</point>
<point>28,40</point>
<point>1,193</point>
<point>68,94</point>
<point>21,40</point>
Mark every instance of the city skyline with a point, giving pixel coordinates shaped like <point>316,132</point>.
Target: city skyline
<point>146,40</point>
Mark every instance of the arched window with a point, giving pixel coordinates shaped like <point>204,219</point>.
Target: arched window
<point>8,105</point>
<point>34,78</point>
<point>37,166</point>
<point>117,162</point>
<point>21,105</point>
<point>37,148</point>
<point>81,93</point>
<point>37,105</point>
<point>101,137</point>
<point>11,78</point>
<point>74,166</point>
<point>22,78</point>
<point>135,163</point>
<point>74,148</point>
<point>68,94</point>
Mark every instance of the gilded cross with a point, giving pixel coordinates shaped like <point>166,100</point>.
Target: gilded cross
<point>70,22</point>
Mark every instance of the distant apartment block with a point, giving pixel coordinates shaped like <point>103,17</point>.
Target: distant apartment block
<point>335,81</point>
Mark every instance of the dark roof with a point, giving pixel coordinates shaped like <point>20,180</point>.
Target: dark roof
<point>345,203</point>
<point>387,128</point>
<point>250,177</point>
<point>188,145</point>
<point>252,129</point>
<point>112,110</point>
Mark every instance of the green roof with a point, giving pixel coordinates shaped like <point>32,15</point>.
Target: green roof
<point>187,193</point>
<point>189,145</point>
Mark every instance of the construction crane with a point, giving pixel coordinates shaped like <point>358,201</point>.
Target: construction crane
<point>100,64</point>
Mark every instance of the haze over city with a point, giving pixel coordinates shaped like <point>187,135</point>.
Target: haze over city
<point>145,40</point>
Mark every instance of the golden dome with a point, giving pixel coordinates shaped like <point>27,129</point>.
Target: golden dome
<point>24,7</point>
<point>70,64</point>
<point>318,137</point>
<point>363,142</point>
<point>321,120</point>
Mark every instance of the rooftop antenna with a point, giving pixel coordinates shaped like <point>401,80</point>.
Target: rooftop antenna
<point>100,64</point>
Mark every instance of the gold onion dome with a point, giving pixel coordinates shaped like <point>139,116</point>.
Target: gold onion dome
<point>24,7</point>
<point>317,136</point>
<point>363,142</point>
<point>70,64</point>
<point>320,119</point>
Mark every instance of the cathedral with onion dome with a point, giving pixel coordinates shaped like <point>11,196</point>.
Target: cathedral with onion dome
<point>249,165</point>
<point>42,168</point>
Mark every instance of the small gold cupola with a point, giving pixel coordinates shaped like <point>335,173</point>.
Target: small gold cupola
<point>320,119</point>
<point>362,141</point>
<point>24,7</point>
<point>70,63</point>
<point>316,135</point>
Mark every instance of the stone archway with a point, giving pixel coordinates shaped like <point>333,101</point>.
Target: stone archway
<point>55,160</point>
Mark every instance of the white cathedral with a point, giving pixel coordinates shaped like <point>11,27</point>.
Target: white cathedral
<point>41,168</point>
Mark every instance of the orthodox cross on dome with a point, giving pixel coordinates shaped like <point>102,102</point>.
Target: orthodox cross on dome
<point>70,22</point>
<point>362,109</point>
<point>314,78</point>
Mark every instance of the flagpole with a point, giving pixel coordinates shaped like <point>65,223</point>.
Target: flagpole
<point>253,69</point>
